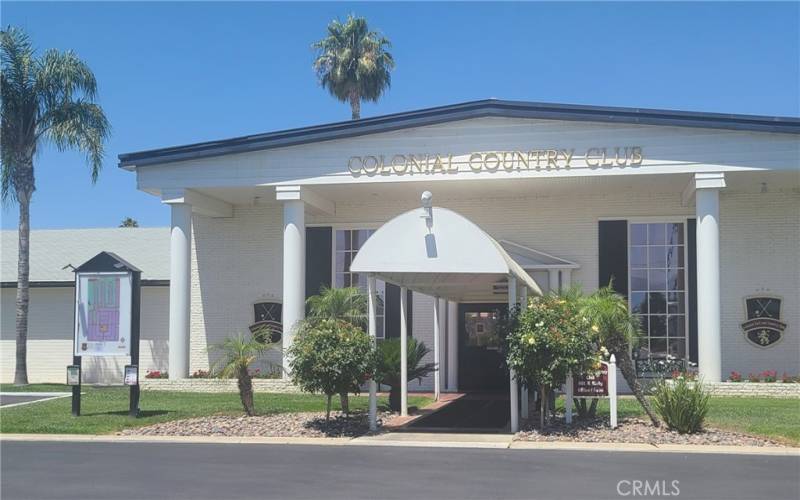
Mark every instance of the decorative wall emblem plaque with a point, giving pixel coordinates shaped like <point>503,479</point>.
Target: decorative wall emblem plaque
<point>763,326</point>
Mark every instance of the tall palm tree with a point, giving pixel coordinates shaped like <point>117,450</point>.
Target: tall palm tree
<point>618,331</point>
<point>45,99</point>
<point>353,63</point>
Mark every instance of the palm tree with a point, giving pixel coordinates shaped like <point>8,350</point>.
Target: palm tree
<point>238,353</point>
<point>618,331</point>
<point>353,63</point>
<point>388,370</point>
<point>344,304</point>
<point>339,304</point>
<point>47,99</point>
<point>129,222</point>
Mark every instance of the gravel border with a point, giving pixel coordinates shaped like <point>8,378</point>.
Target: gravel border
<point>275,425</point>
<point>635,430</point>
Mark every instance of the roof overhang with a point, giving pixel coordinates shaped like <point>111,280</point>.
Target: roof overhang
<point>456,112</point>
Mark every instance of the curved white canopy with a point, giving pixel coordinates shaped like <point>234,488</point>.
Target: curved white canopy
<point>440,253</point>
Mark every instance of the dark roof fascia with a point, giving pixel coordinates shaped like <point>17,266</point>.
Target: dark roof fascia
<point>456,112</point>
<point>71,284</point>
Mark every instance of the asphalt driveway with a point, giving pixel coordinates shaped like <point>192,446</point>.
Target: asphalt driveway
<point>75,470</point>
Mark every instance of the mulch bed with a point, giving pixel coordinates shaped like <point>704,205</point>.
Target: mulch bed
<point>634,430</point>
<point>278,425</point>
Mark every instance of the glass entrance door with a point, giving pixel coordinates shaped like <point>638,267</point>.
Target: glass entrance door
<point>480,366</point>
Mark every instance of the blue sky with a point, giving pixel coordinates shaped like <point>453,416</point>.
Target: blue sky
<point>176,73</point>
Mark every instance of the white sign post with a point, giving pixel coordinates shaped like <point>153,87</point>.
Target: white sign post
<point>612,391</point>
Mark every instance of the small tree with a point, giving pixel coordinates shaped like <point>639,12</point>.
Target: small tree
<point>331,357</point>
<point>618,331</point>
<point>388,367</point>
<point>238,353</point>
<point>546,341</point>
<point>339,304</point>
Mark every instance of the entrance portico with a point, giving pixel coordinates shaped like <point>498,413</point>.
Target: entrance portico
<point>437,252</point>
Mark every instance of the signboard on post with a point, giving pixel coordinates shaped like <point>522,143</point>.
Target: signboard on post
<point>107,307</point>
<point>103,314</point>
<point>592,385</point>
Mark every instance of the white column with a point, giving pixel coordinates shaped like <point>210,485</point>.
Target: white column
<point>180,267</point>
<point>709,346</point>
<point>514,385</point>
<point>372,305</point>
<point>452,346</point>
<point>443,346</point>
<point>523,300</point>
<point>436,357</point>
<point>294,271</point>
<point>403,352</point>
<point>566,278</point>
<point>553,284</point>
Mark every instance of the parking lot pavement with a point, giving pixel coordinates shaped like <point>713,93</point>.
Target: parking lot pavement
<point>9,399</point>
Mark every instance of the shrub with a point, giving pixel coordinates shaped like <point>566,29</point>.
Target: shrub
<point>200,374</point>
<point>547,340</point>
<point>753,377</point>
<point>735,376</point>
<point>331,357</point>
<point>388,367</point>
<point>682,404</point>
<point>156,374</point>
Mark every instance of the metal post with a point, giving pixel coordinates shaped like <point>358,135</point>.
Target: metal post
<point>514,385</point>
<point>568,399</point>
<point>136,307</point>
<point>76,389</point>
<point>403,352</point>
<point>436,333</point>
<point>612,390</point>
<point>373,388</point>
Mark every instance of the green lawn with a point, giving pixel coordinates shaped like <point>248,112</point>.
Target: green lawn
<point>105,410</point>
<point>775,418</point>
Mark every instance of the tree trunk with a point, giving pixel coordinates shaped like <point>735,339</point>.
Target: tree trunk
<point>542,407</point>
<point>328,408</point>
<point>355,105</point>
<point>344,401</point>
<point>23,285</point>
<point>629,372</point>
<point>394,398</point>
<point>246,391</point>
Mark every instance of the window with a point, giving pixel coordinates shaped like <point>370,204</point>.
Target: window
<point>348,242</point>
<point>657,271</point>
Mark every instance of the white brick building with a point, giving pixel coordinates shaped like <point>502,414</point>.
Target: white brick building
<point>691,213</point>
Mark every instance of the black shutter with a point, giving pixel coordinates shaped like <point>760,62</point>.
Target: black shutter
<point>691,270</point>
<point>613,254</point>
<point>393,311</point>
<point>318,259</point>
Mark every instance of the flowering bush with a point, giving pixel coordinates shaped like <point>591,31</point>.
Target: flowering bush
<point>200,374</point>
<point>735,376</point>
<point>688,375</point>
<point>548,339</point>
<point>156,374</point>
<point>769,376</point>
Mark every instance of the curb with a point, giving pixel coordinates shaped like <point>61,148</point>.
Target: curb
<point>440,441</point>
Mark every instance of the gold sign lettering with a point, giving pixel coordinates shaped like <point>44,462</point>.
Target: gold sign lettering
<point>548,159</point>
